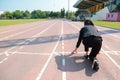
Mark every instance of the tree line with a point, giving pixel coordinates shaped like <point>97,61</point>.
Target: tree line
<point>36,14</point>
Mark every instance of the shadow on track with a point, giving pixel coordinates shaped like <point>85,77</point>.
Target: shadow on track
<point>103,32</point>
<point>74,63</point>
<point>36,40</point>
<point>45,39</point>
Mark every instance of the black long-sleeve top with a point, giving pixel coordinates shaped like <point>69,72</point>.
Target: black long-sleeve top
<point>86,32</point>
<point>80,38</point>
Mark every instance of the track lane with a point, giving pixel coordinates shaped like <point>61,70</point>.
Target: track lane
<point>13,43</point>
<point>26,58</point>
<point>17,37</point>
<point>91,75</point>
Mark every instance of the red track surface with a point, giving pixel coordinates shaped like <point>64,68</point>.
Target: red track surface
<point>40,51</point>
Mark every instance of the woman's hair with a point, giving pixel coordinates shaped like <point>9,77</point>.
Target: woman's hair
<point>88,22</point>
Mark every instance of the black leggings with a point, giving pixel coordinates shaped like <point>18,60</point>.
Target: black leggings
<point>93,42</point>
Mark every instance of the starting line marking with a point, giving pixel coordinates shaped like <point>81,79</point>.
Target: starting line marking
<point>58,53</point>
<point>30,53</point>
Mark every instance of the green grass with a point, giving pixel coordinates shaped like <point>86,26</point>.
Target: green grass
<point>110,24</point>
<point>17,21</point>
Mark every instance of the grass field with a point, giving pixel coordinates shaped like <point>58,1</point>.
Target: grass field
<point>115,25</point>
<point>111,24</point>
<point>17,21</point>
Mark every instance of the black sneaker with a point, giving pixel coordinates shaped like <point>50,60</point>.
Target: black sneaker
<point>95,65</point>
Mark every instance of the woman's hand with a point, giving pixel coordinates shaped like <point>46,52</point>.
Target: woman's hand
<point>74,51</point>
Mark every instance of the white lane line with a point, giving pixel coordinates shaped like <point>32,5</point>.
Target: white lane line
<point>63,64</point>
<point>107,47</point>
<point>31,27</point>
<point>18,33</point>
<point>63,60</point>
<point>22,31</point>
<point>74,26</point>
<point>47,62</point>
<point>37,35</point>
<point>57,53</point>
<point>109,52</point>
<point>104,53</point>
<point>45,53</point>
<point>113,52</point>
<point>3,60</point>
<point>26,41</point>
<point>64,75</point>
<point>62,38</point>
<point>108,33</point>
<point>69,52</point>
<point>30,53</point>
<point>19,43</point>
<point>6,53</point>
<point>6,31</point>
<point>63,47</point>
<point>14,52</point>
<point>62,43</point>
<point>114,62</point>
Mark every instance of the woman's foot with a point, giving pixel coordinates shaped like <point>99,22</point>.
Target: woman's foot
<point>95,65</point>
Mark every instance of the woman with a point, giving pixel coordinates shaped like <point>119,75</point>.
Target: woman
<point>91,38</point>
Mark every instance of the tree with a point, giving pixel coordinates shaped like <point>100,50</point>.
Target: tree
<point>43,15</point>
<point>8,15</point>
<point>72,15</point>
<point>58,14</point>
<point>55,15</point>
<point>2,16</point>
<point>51,14</point>
<point>36,14</point>
<point>47,13</point>
<point>62,13</point>
<point>26,14</point>
<point>18,14</point>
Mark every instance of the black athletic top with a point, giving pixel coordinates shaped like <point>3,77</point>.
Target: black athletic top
<point>86,32</point>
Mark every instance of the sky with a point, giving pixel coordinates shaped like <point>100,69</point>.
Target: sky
<point>30,5</point>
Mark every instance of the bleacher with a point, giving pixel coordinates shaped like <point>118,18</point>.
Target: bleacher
<point>91,7</point>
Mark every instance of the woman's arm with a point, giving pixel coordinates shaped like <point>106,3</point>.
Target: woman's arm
<point>79,41</point>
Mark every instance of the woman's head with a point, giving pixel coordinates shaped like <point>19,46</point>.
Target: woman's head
<point>88,22</point>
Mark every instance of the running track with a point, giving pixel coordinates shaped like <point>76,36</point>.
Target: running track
<point>41,51</point>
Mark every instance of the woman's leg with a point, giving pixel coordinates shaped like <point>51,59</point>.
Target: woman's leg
<point>95,49</point>
<point>86,48</point>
